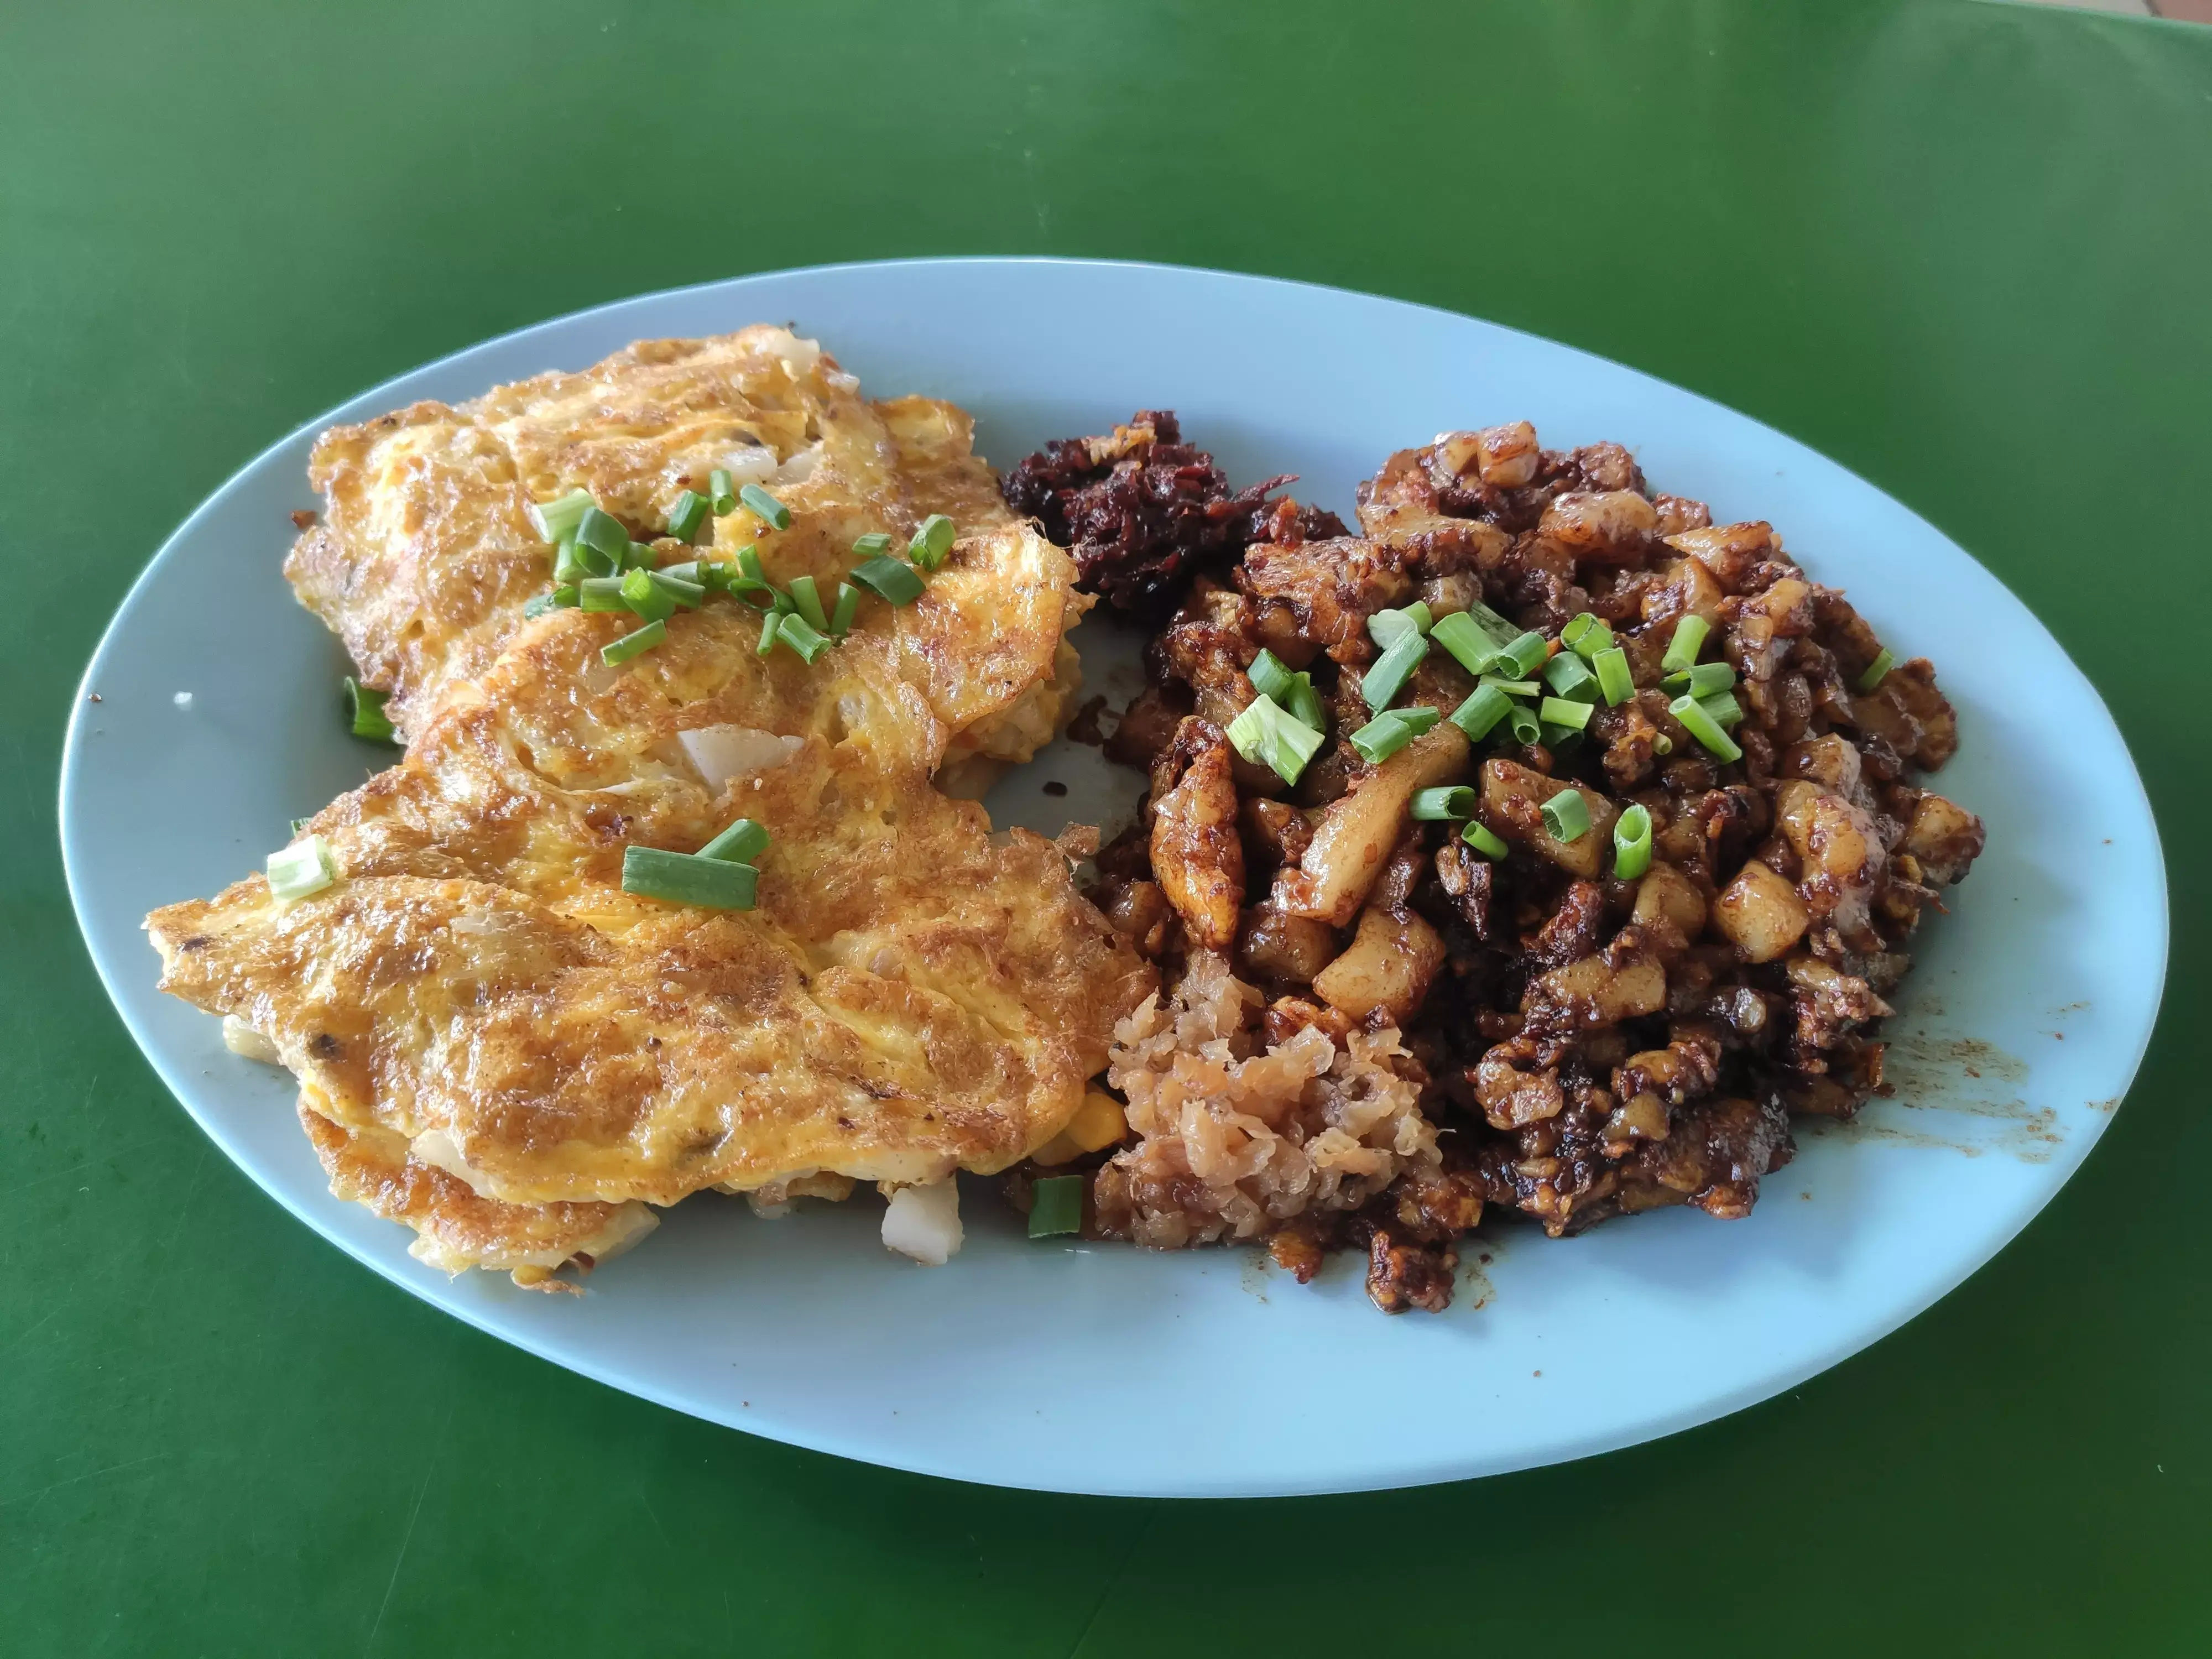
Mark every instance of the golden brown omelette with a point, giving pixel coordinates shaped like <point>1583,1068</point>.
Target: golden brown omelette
<point>497,1045</point>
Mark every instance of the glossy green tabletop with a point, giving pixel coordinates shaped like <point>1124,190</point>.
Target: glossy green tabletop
<point>1962,248</point>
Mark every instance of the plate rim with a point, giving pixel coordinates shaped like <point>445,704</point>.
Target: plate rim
<point>1708,1407</point>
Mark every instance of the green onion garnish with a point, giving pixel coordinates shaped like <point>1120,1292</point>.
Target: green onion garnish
<point>679,878</point>
<point>1304,702</point>
<point>1565,712</point>
<point>687,515</point>
<point>367,708</point>
<point>561,599</point>
<point>771,631</point>
<point>1514,688</point>
<point>871,546</point>
<point>644,596</point>
<point>634,645</point>
<point>742,842</point>
<point>571,566</point>
<point>1631,843</point>
<point>557,520</point>
<point>1701,679</point>
<point>601,593</point>
<point>802,636</point>
<point>690,595</point>
<point>848,606</point>
<point>1568,676</point>
<point>1383,683</point>
<point>1877,670</point>
<point>1446,804</point>
<point>807,597</point>
<point>702,574</point>
<point>932,542</point>
<point>1662,744</point>
<point>1266,735</point>
<point>639,555</point>
<point>1566,815</point>
<point>1522,722</point>
<point>1561,740</point>
<point>765,506</point>
<point>1613,677</point>
<point>1056,1206</point>
<point>298,824</point>
<point>1586,636</point>
<point>1481,712</point>
<point>605,536</point>
<point>1385,734</point>
<point>1689,639</point>
<point>1482,840</point>
<point>1270,676</point>
<point>721,497</point>
<point>1387,627</point>
<point>888,579</point>
<point>304,867</point>
<point>1462,635</point>
<point>1723,708</point>
<point>1525,655</point>
<point>1698,722</point>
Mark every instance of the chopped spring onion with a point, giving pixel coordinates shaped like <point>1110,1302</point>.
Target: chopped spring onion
<point>1446,805</point>
<point>1383,683</point>
<point>561,599</point>
<point>742,842</point>
<point>1480,713</point>
<point>634,645</point>
<point>1662,744</point>
<point>1304,703</point>
<point>1524,656</point>
<point>721,495</point>
<point>932,542</point>
<point>1723,708</point>
<point>1523,723</point>
<point>1056,1206</point>
<point>1267,736</point>
<point>765,506</point>
<point>1270,676</point>
<point>848,606</point>
<point>1613,677</point>
<point>1689,639</point>
<point>807,598</point>
<point>1514,688</point>
<point>1389,731</point>
<point>1586,636</point>
<point>1565,712</point>
<point>771,631</point>
<point>802,636</point>
<point>367,708</point>
<point>571,566</point>
<point>557,520</point>
<point>680,878</point>
<point>687,515</point>
<point>1483,839</point>
<point>1472,647</point>
<point>1698,722</point>
<point>1570,676</point>
<point>644,596</point>
<point>1566,815</point>
<point>871,546</point>
<point>605,536</point>
<point>639,555</point>
<point>688,593</point>
<point>1877,670</point>
<point>1700,679</point>
<point>1631,843</point>
<point>1387,627</point>
<point>706,574</point>
<point>298,824</point>
<point>601,593</point>
<point>1561,739</point>
<point>304,867</point>
<point>888,579</point>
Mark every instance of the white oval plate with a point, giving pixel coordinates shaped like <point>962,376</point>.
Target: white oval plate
<point>1098,1368</point>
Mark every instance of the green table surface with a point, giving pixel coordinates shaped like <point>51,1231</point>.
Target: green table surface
<point>1962,248</point>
